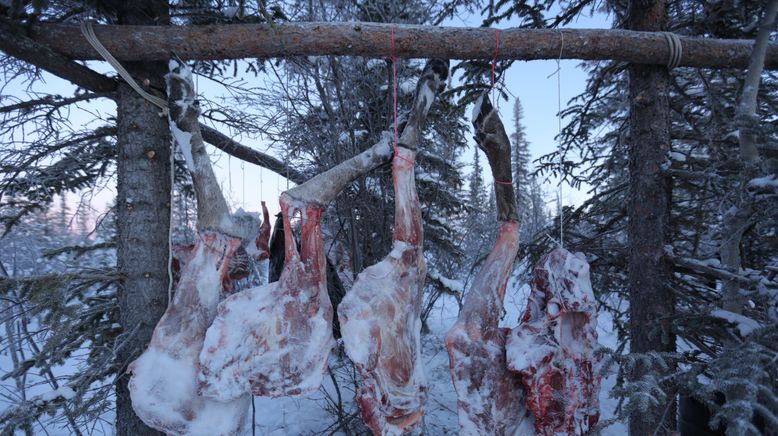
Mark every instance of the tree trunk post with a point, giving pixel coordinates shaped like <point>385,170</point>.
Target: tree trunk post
<point>142,214</point>
<point>652,303</point>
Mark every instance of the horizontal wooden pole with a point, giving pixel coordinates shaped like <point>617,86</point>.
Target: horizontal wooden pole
<point>147,43</point>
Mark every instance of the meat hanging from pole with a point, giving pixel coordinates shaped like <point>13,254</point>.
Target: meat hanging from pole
<point>379,316</point>
<point>553,348</point>
<point>163,386</point>
<point>490,398</point>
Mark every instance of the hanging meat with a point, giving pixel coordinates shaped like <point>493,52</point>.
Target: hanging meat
<point>490,399</point>
<point>553,348</point>
<point>275,340</point>
<point>379,316</point>
<point>262,243</point>
<point>163,386</point>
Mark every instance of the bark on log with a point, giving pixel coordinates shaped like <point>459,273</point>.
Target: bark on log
<point>128,43</point>
<point>652,302</point>
<point>142,203</point>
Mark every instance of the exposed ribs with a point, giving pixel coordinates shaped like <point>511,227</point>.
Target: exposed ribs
<point>379,316</point>
<point>553,347</point>
<point>490,399</point>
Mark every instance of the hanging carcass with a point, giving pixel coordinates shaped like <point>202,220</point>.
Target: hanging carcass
<point>490,399</point>
<point>275,340</point>
<point>379,316</point>
<point>553,348</point>
<point>163,387</point>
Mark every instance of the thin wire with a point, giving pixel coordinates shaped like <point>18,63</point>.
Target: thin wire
<point>243,176</point>
<point>494,99</point>
<point>91,37</point>
<point>494,61</point>
<point>171,223</point>
<point>288,123</point>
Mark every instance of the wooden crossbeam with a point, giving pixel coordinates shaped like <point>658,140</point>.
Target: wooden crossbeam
<point>147,43</point>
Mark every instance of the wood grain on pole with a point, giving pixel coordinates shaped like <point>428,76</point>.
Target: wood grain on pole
<point>136,43</point>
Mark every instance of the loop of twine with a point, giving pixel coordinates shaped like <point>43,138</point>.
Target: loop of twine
<point>91,37</point>
<point>676,49</point>
<point>494,66</point>
<point>89,34</point>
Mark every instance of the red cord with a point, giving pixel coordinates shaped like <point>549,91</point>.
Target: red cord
<point>394,95</point>
<point>394,91</point>
<point>494,65</point>
<point>494,59</point>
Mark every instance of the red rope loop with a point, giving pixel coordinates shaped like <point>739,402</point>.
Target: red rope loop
<point>503,183</point>
<point>494,59</point>
<point>394,96</point>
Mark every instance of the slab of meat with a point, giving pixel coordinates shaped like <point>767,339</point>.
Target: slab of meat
<point>163,386</point>
<point>553,347</point>
<point>262,243</point>
<point>275,340</point>
<point>490,398</point>
<point>379,316</point>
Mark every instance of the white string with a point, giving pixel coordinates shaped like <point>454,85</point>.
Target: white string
<point>171,224</point>
<point>89,34</point>
<point>91,37</point>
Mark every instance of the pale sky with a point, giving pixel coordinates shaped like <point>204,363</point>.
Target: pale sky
<point>245,184</point>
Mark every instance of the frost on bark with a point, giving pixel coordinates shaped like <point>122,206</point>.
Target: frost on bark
<point>164,386</point>
<point>379,317</point>
<point>553,347</point>
<point>491,399</point>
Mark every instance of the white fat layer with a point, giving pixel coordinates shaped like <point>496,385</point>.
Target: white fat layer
<point>163,386</point>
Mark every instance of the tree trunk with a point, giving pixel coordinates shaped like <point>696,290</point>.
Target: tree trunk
<point>142,214</point>
<point>234,41</point>
<point>652,303</point>
<point>738,216</point>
